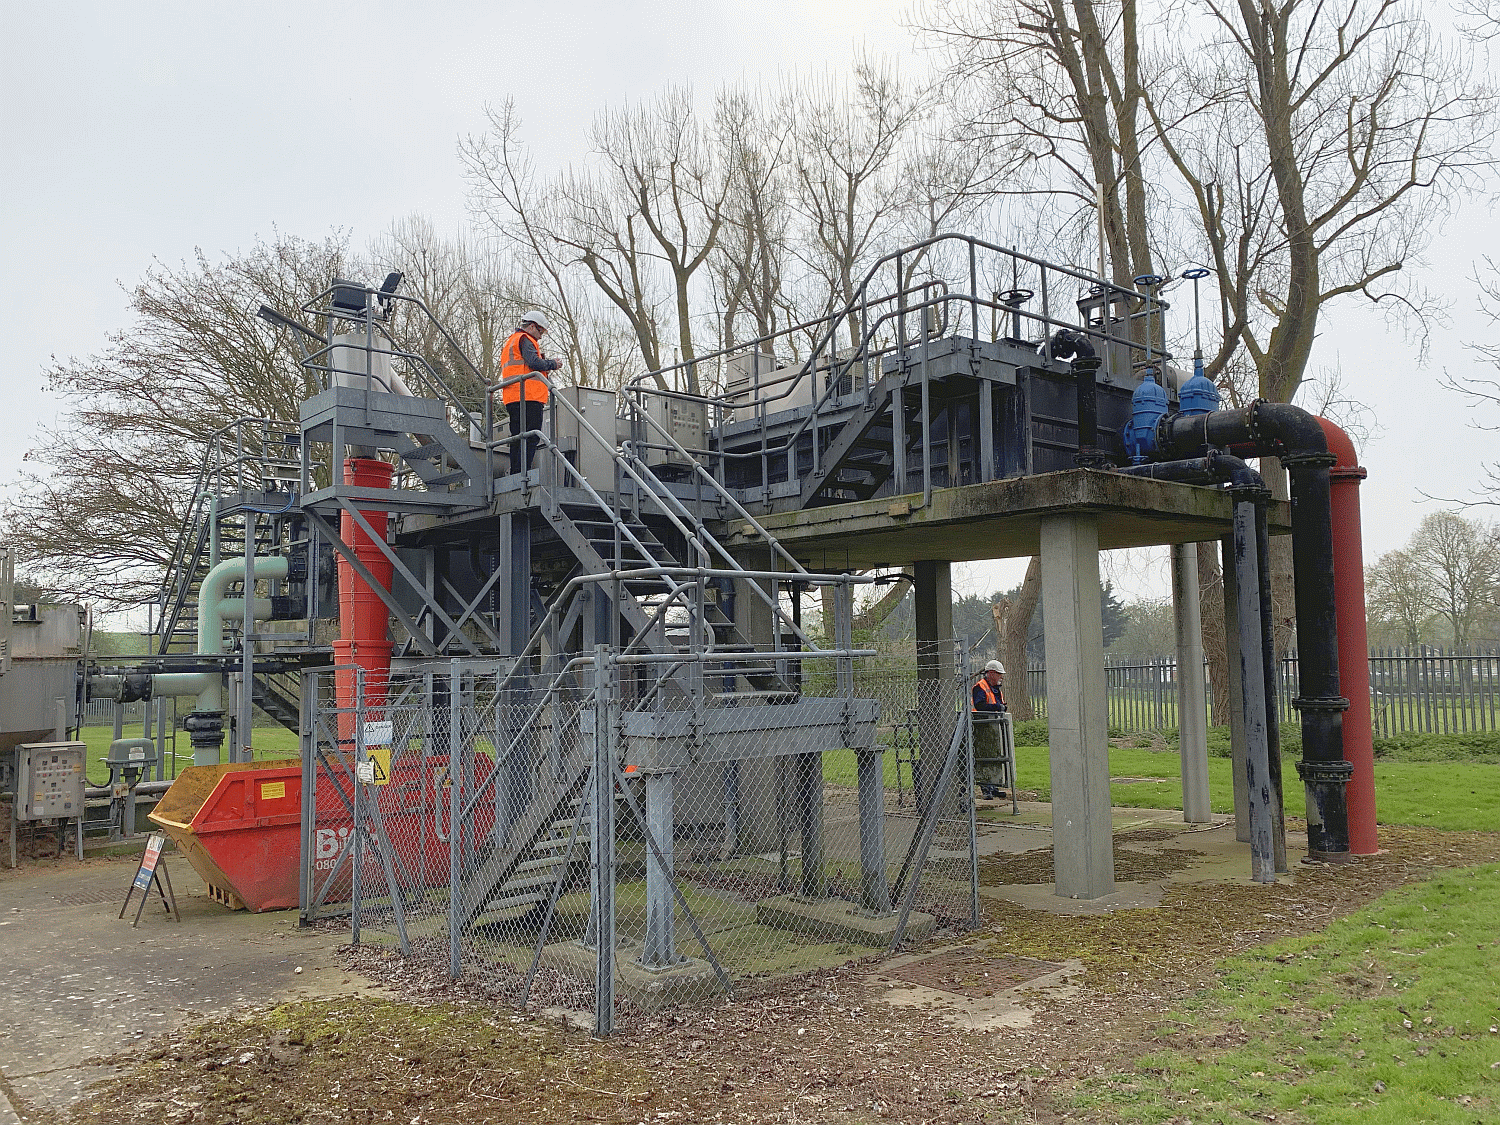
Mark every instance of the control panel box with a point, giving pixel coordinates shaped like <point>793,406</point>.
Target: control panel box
<point>687,422</point>
<point>50,780</point>
<point>588,453</point>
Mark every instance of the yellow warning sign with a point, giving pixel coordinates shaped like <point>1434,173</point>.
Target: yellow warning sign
<point>380,761</point>
<point>272,790</point>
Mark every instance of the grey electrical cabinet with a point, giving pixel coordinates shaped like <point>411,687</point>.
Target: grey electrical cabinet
<point>586,452</point>
<point>686,420</point>
<point>50,780</point>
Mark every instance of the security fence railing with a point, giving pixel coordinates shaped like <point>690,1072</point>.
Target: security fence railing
<point>741,836</point>
<point>1422,689</point>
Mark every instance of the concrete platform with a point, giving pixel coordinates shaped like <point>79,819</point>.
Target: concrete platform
<point>649,989</point>
<point>1001,519</point>
<point>1223,860</point>
<point>78,983</point>
<point>836,920</point>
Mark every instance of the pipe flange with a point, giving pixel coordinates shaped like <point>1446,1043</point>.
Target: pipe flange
<point>1337,703</point>
<point>1310,458</point>
<point>1337,773</point>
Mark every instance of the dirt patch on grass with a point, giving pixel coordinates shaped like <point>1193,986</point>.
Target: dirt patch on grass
<point>1132,864</point>
<point>822,1047</point>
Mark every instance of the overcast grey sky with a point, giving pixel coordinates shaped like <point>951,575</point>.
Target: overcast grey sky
<point>146,130</point>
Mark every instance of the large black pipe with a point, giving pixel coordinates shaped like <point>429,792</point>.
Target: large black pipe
<point>1294,435</point>
<point>1214,466</point>
<point>1086,361</point>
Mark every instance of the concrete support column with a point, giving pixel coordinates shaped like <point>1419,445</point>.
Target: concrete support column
<point>1192,702</point>
<point>758,783</point>
<point>515,587</point>
<point>660,946</point>
<point>933,596</point>
<point>875,891</point>
<point>808,784</point>
<point>1082,845</point>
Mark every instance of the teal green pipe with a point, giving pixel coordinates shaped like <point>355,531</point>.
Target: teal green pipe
<point>213,607</point>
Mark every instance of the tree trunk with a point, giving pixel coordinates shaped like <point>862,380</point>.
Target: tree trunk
<point>1012,623</point>
<point>874,615</point>
<point>1211,610</point>
<point>1283,589</point>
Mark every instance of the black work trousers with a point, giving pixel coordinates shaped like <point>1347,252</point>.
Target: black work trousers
<point>532,421</point>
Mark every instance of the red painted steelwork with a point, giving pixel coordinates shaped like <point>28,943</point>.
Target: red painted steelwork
<point>1354,642</point>
<point>364,637</point>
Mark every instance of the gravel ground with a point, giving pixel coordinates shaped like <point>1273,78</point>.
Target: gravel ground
<point>824,1047</point>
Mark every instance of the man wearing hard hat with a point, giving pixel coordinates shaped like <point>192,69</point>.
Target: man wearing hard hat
<point>523,370</point>
<point>989,704</point>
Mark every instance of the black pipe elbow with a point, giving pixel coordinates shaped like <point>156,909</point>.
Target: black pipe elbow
<point>1214,466</point>
<point>1237,473</point>
<point>1066,344</point>
<point>1296,433</point>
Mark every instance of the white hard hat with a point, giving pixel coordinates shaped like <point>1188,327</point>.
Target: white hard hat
<point>535,316</point>
<point>995,666</point>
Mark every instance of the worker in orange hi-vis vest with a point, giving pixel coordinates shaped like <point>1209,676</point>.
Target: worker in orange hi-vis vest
<point>989,704</point>
<point>526,398</point>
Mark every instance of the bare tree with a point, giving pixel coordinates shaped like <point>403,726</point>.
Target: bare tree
<point>657,199</point>
<point>1459,562</point>
<point>851,189</point>
<point>1012,625</point>
<point>115,477</point>
<point>523,218</point>
<point>1398,594</point>
<point>1347,130</point>
<point>749,262</point>
<point>1483,391</point>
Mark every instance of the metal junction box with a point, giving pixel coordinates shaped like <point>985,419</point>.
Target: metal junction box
<point>685,420</point>
<point>587,453</point>
<point>49,780</point>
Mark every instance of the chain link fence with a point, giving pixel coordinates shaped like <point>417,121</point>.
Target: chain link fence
<point>764,814</point>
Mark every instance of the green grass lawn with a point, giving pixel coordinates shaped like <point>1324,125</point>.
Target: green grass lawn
<point>1386,1017</point>
<point>1434,794</point>
<point>269,742</point>
<point>1431,792</point>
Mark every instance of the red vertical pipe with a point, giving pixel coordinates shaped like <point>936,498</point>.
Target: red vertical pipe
<point>364,639</point>
<point>1354,641</point>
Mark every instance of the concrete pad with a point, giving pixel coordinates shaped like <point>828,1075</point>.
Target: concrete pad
<point>831,919</point>
<point>1044,896</point>
<point>1007,1008</point>
<point>78,983</point>
<point>649,989</point>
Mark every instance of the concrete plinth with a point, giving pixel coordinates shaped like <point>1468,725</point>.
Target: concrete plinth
<point>649,989</point>
<point>836,920</point>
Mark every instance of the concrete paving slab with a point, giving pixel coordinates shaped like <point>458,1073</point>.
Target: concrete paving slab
<point>1004,1008</point>
<point>77,983</point>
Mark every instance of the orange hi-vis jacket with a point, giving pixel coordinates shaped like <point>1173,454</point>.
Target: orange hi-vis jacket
<point>512,363</point>
<point>994,698</point>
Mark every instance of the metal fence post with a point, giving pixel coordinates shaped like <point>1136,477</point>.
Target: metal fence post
<point>307,738</point>
<point>603,866</point>
<point>455,805</point>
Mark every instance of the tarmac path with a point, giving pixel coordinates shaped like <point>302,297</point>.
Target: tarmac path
<point>78,984</point>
